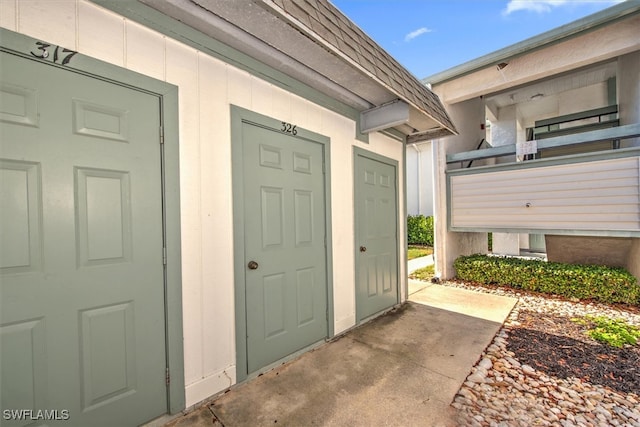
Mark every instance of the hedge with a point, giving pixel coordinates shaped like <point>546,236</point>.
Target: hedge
<point>420,230</point>
<point>605,284</point>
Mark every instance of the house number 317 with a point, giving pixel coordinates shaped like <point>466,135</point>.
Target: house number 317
<point>289,128</point>
<point>60,54</point>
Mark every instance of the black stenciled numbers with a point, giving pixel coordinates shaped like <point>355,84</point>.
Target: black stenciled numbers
<point>61,55</point>
<point>289,128</point>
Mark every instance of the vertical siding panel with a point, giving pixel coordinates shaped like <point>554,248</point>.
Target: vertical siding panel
<point>217,217</point>
<point>261,96</point>
<point>100,33</point>
<point>182,70</point>
<point>342,218</point>
<point>239,88</point>
<point>300,113</point>
<point>8,14</point>
<point>314,117</point>
<point>145,51</point>
<point>281,105</point>
<point>53,22</point>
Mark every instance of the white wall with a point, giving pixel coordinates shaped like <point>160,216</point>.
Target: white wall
<point>468,117</point>
<point>420,179</point>
<point>629,93</point>
<point>207,88</point>
<point>503,130</point>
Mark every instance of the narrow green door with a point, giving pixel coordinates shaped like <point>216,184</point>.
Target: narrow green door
<point>81,237</point>
<point>376,234</point>
<point>284,229</point>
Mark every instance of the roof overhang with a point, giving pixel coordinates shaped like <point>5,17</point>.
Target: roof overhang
<point>263,30</point>
<point>578,54</point>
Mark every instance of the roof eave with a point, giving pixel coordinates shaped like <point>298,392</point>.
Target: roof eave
<point>575,28</point>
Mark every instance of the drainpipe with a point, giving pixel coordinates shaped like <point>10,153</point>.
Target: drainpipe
<point>419,168</point>
<point>438,221</point>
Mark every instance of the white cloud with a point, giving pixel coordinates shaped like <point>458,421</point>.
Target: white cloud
<point>413,34</point>
<point>544,6</point>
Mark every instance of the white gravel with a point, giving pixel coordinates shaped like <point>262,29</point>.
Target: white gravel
<point>500,391</point>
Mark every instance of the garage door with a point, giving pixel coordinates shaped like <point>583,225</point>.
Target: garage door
<point>81,266</point>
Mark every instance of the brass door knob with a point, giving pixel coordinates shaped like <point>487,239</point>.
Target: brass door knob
<point>363,249</point>
<point>252,265</point>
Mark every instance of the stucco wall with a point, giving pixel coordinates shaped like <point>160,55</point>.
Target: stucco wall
<point>468,117</point>
<point>420,179</point>
<point>629,93</point>
<point>633,260</point>
<point>207,88</point>
<point>612,251</point>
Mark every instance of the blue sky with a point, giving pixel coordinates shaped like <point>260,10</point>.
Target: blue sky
<point>429,36</point>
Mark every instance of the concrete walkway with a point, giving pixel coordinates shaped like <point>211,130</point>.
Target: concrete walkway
<point>403,368</point>
<point>416,263</point>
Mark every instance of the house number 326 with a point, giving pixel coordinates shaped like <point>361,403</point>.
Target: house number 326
<point>289,128</point>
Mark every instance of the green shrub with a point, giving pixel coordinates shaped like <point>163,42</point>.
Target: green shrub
<point>420,230</point>
<point>615,332</point>
<point>606,284</point>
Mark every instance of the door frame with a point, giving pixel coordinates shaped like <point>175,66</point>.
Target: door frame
<point>167,94</point>
<point>357,153</point>
<point>240,116</point>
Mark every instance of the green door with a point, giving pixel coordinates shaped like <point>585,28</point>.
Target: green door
<point>376,234</point>
<point>284,229</point>
<point>81,238</point>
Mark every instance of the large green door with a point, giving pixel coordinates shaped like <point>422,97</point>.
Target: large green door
<point>284,229</point>
<point>81,238</point>
<point>376,234</point>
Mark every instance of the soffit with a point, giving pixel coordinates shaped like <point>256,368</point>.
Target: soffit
<point>563,83</point>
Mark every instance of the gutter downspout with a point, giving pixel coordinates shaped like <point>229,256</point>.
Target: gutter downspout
<point>419,178</point>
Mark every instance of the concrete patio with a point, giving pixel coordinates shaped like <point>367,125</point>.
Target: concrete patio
<point>403,368</point>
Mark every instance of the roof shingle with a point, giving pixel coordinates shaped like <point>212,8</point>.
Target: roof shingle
<point>326,21</point>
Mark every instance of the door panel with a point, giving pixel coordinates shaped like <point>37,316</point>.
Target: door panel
<point>376,236</point>
<point>81,272</point>
<point>284,229</point>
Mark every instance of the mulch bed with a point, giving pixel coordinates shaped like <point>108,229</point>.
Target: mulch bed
<point>559,347</point>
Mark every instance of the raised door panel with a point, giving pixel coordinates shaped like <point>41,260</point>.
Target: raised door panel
<point>82,288</point>
<point>284,229</point>
<point>376,239</point>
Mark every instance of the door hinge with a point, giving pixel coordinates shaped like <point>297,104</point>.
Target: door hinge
<point>161,135</point>
<point>164,256</point>
<point>167,377</point>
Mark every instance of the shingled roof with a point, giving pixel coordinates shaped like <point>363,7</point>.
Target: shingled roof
<point>335,28</point>
<point>314,43</point>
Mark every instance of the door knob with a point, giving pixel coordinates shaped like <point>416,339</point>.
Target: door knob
<point>363,249</point>
<point>252,265</point>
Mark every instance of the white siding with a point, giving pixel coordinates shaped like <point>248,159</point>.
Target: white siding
<point>598,195</point>
<point>207,88</point>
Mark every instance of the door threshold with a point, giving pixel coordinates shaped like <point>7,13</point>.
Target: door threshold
<point>289,358</point>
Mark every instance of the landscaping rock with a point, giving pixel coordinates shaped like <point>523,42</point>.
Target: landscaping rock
<point>505,391</point>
